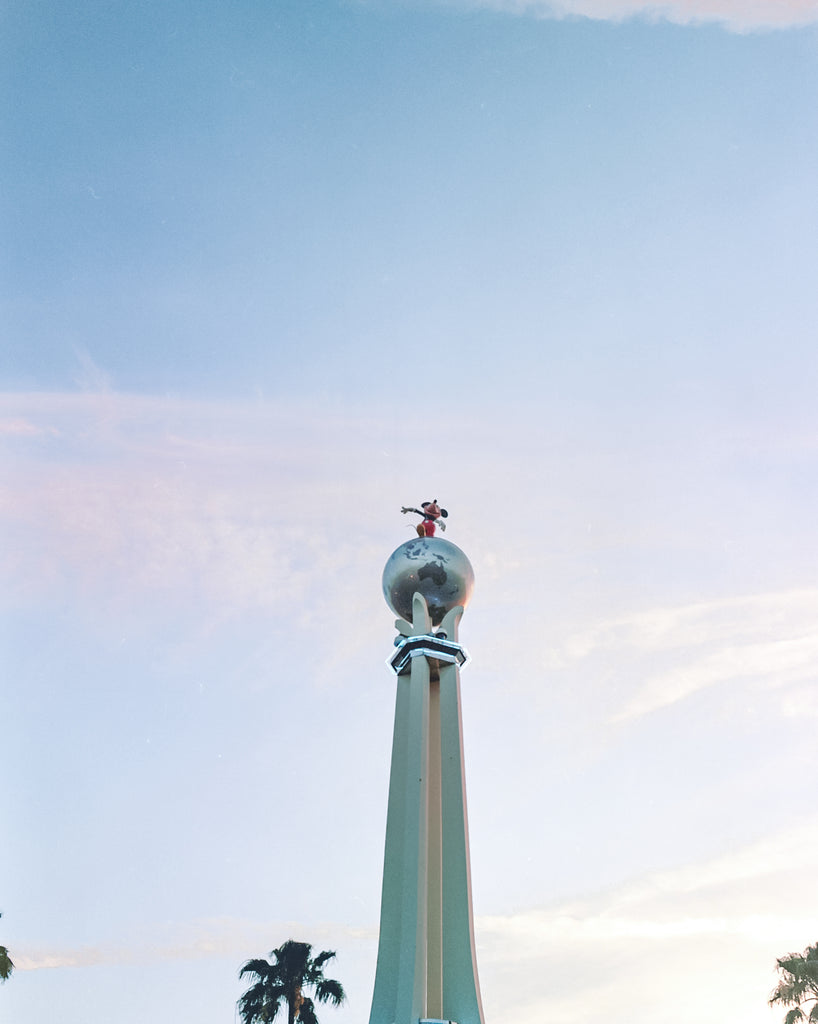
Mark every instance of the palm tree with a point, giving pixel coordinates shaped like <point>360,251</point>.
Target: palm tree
<point>6,965</point>
<point>798,985</point>
<point>285,980</point>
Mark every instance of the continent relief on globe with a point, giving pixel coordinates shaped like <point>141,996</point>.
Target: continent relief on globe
<point>430,566</point>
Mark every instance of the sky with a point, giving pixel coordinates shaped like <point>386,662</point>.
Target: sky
<point>271,271</point>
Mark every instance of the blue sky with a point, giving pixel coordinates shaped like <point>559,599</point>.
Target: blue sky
<point>272,271</point>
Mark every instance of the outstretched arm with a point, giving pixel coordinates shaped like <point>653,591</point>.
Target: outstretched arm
<point>404,509</point>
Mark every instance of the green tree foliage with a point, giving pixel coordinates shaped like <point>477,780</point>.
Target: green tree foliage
<point>6,964</point>
<point>798,985</point>
<point>286,980</point>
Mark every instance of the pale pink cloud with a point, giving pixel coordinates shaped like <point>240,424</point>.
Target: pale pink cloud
<point>17,427</point>
<point>192,940</point>
<point>145,498</point>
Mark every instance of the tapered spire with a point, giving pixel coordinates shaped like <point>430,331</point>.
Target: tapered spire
<point>427,969</point>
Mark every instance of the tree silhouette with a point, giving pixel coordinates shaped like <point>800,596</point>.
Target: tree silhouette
<point>285,980</point>
<point>6,964</point>
<point>798,985</point>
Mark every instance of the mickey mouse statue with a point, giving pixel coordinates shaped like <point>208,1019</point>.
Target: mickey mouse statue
<point>431,512</point>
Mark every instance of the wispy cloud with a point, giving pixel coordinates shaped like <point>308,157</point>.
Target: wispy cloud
<point>145,496</point>
<point>792,850</point>
<point>780,661</point>
<point>233,938</point>
<point>89,376</point>
<point>23,428</point>
<point>769,637</point>
<point>638,947</point>
<point>728,894</point>
<point>741,617</point>
<point>736,15</point>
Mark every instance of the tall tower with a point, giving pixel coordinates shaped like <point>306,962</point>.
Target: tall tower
<point>427,970</point>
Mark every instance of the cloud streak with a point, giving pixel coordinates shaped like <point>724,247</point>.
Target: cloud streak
<point>139,497</point>
<point>636,948</point>
<point>735,15</point>
<point>781,662</point>
<point>769,638</point>
<point>198,940</point>
<point>669,904</point>
<point>18,427</point>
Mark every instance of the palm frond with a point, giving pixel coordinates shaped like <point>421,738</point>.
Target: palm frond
<point>6,964</point>
<point>323,957</point>
<point>798,966</point>
<point>260,1003</point>
<point>258,967</point>
<point>794,1016</point>
<point>788,993</point>
<point>330,991</point>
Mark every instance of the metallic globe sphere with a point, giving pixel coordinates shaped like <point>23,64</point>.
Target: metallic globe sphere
<point>430,566</point>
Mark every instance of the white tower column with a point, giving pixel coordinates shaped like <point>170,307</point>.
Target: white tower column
<point>427,970</point>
